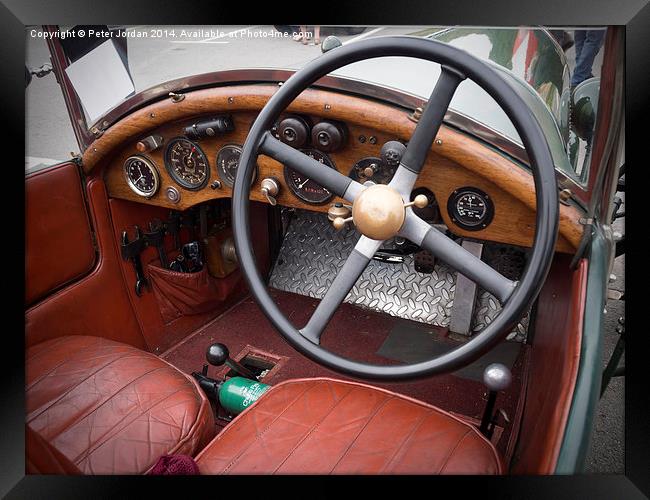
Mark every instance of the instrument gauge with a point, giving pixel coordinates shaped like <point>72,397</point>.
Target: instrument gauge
<point>228,162</point>
<point>141,175</point>
<point>186,163</point>
<point>470,208</point>
<point>305,188</point>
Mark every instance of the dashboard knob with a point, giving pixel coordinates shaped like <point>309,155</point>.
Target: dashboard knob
<point>149,143</point>
<point>370,170</point>
<point>328,136</point>
<point>294,131</point>
<point>392,153</point>
<point>270,189</point>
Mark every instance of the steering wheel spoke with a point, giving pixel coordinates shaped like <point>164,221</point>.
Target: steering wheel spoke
<point>356,263</point>
<point>429,123</point>
<point>329,178</point>
<point>443,247</point>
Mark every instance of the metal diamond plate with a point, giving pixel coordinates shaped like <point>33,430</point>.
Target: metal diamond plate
<point>313,252</point>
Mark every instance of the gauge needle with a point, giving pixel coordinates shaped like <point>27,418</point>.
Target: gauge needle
<point>301,185</point>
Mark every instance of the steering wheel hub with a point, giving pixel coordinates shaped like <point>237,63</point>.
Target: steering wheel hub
<point>378,212</point>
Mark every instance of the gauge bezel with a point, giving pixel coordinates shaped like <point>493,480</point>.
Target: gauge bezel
<point>456,218</point>
<point>295,190</point>
<point>152,167</point>
<point>222,175</point>
<point>182,183</point>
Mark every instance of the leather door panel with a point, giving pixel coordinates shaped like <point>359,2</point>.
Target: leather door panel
<point>58,239</point>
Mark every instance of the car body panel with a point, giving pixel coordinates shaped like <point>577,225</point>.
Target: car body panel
<point>578,430</point>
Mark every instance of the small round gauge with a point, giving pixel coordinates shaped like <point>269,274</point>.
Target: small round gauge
<point>372,169</point>
<point>141,175</point>
<point>305,188</point>
<point>470,208</point>
<point>186,163</point>
<point>228,162</point>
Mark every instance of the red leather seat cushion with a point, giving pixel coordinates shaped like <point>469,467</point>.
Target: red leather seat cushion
<point>324,426</point>
<point>110,408</point>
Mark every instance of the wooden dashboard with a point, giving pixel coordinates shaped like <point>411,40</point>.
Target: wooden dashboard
<point>455,160</point>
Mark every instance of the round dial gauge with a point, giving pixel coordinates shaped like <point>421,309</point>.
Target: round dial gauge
<point>372,169</point>
<point>305,188</point>
<point>141,175</point>
<point>228,162</point>
<point>470,208</point>
<point>186,163</point>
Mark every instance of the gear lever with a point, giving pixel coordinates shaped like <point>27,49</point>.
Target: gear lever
<point>497,377</point>
<point>218,355</point>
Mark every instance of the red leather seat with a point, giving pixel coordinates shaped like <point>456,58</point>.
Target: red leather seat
<point>110,408</point>
<point>324,426</point>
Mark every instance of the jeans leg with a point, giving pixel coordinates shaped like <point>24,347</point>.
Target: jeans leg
<point>588,44</point>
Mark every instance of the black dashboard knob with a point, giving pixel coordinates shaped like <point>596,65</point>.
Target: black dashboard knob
<point>392,153</point>
<point>327,136</point>
<point>294,131</point>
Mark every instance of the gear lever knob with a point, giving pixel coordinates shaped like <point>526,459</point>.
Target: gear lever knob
<point>217,354</point>
<point>497,377</point>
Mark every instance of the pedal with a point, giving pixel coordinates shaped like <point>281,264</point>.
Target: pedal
<point>424,262</point>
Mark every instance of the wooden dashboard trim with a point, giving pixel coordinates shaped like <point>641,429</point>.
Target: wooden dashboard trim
<point>456,147</point>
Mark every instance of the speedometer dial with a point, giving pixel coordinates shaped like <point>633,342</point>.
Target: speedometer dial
<point>186,163</point>
<point>305,188</point>
<point>141,175</point>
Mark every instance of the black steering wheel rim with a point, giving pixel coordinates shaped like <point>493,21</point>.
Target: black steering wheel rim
<point>547,208</point>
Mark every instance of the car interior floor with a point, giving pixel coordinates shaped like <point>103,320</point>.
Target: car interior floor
<point>249,335</point>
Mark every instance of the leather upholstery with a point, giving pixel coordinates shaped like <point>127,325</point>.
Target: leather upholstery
<point>325,426</point>
<point>110,408</point>
<point>58,241</point>
<point>95,303</point>
<point>555,359</point>
<point>43,458</point>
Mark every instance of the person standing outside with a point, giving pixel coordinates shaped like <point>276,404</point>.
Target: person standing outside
<point>587,44</point>
<point>304,36</point>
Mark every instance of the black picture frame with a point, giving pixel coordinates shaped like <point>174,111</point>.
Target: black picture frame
<point>15,15</point>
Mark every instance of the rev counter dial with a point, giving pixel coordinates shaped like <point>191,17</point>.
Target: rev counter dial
<point>303,187</point>
<point>141,175</point>
<point>186,163</point>
<point>470,208</point>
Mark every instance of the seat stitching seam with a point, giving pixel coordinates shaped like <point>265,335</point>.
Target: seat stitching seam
<point>444,465</point>
<point>406,440</point>
<point>99,404</point>
<point>311,431</point>
<point>374,414</point>
<point>55,401</point>
<point>258,436</point>
<point>114,432</point>
<point>54,368</point>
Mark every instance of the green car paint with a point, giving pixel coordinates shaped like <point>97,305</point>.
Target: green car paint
<point>578,429</point>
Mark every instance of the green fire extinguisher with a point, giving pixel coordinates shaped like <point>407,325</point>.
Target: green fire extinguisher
<point>238,393</point>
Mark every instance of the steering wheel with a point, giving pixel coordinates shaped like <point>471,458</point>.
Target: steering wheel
<point>381,212</point>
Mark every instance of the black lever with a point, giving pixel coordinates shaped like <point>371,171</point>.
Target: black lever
<point>131,251</point>
<point>156,237</point>
<point>218,355</point>
<point>496,377</point>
